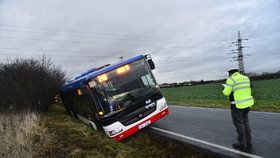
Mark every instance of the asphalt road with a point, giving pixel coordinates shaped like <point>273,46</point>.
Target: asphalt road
<point>213,130</point>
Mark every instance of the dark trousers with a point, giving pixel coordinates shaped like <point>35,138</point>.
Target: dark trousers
<point>241,123</point>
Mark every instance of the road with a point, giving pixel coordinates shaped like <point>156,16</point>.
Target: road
<point>212,130</point>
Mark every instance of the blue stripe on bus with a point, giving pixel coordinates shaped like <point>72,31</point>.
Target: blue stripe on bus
<point>77,82</point>
<point>112,67</point>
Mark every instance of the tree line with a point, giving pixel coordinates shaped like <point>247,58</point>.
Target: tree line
<point>29,84</point>
<point>252,75</point>
<point>264,75</point>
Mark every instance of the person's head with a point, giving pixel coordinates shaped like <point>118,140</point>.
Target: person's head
<point>232,71</point>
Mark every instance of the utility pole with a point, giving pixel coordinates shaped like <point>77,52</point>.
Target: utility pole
<point>239,53</point>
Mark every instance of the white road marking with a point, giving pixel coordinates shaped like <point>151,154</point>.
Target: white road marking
<point>196,107</point>
<point>207,143</point>
<point>272,113</point>
<point>209,108</point>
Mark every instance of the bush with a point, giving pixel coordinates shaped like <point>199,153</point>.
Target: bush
<point>29,84</point>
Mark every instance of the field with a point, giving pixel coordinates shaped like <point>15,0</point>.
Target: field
<point>266,94</point>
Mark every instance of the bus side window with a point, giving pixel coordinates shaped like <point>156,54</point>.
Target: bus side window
<point>83,104</point>
<point>147,80</point>
<point>97,99</point>
<point>150,80</point>
<point>95,109</point>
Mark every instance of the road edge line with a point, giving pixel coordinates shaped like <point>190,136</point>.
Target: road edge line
<point>213,108</point>
<point>208,143</point>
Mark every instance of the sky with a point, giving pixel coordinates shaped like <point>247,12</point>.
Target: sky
<point>187,39</point>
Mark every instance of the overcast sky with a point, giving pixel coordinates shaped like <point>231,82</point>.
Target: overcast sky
<point>188,39</point>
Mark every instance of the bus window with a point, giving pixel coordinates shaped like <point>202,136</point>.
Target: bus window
<point>147,80</point>
<point>122,89</point>
<point>83,102</point>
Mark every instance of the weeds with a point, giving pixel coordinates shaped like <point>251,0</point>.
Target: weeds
<point>56,134</point>
<point>21,135</point>
<point>76,139</point>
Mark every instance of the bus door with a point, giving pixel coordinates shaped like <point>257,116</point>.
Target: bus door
<point>91,109</point>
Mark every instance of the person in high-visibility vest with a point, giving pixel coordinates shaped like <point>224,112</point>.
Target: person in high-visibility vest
<point>238,89</point>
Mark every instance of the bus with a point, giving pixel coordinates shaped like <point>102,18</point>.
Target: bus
<point>120,99</point>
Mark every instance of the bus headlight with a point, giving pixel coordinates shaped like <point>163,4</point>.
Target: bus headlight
<point>162,106</point>
<point>115,131</point>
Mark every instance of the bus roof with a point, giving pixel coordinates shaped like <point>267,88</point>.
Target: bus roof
<point>80,79</point>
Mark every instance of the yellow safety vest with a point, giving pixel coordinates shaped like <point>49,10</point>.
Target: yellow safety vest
<point>240,86</point>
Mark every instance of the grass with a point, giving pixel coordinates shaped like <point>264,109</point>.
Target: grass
<point>18,133</point>
<point>75,139</point>
<point>57,134</point>
<point>266,94</point>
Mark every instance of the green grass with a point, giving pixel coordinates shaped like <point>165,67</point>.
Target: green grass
<point>265,92</point>
<point>71,138</point>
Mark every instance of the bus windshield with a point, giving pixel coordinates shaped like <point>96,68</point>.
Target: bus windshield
<point>122,87</point>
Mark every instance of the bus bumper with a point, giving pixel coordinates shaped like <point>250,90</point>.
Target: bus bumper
<point>139,126</point>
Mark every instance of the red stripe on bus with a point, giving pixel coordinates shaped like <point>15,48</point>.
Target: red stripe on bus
<point>135,129</point>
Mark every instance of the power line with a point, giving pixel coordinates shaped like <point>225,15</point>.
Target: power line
<point>67,56</point>
<point>92,19</point>
<point>105,34</point>
<point>121,58</point>
<point>83,52</point>
<point>111,37</point>
<point>50,50</point>
<point>175,59</point>
<point>101,43</point>
<point>168,57</point>
<point>55,55</point>
<point>131,37</point>
<point>71,61</point>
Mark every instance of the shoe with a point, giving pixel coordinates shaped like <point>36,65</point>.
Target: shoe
<point>239,146</point>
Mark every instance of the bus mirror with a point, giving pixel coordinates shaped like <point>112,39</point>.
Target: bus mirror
<point>151,64</point>
<point>92,84</point>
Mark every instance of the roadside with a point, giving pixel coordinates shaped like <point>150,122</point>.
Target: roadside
<point>72,138</point>
<point>213,130</point>
<point>265,92</point>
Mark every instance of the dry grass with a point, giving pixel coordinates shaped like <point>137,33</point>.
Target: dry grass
<point>21,135</point>
<point>56,134</point>
<point>75,139</point>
